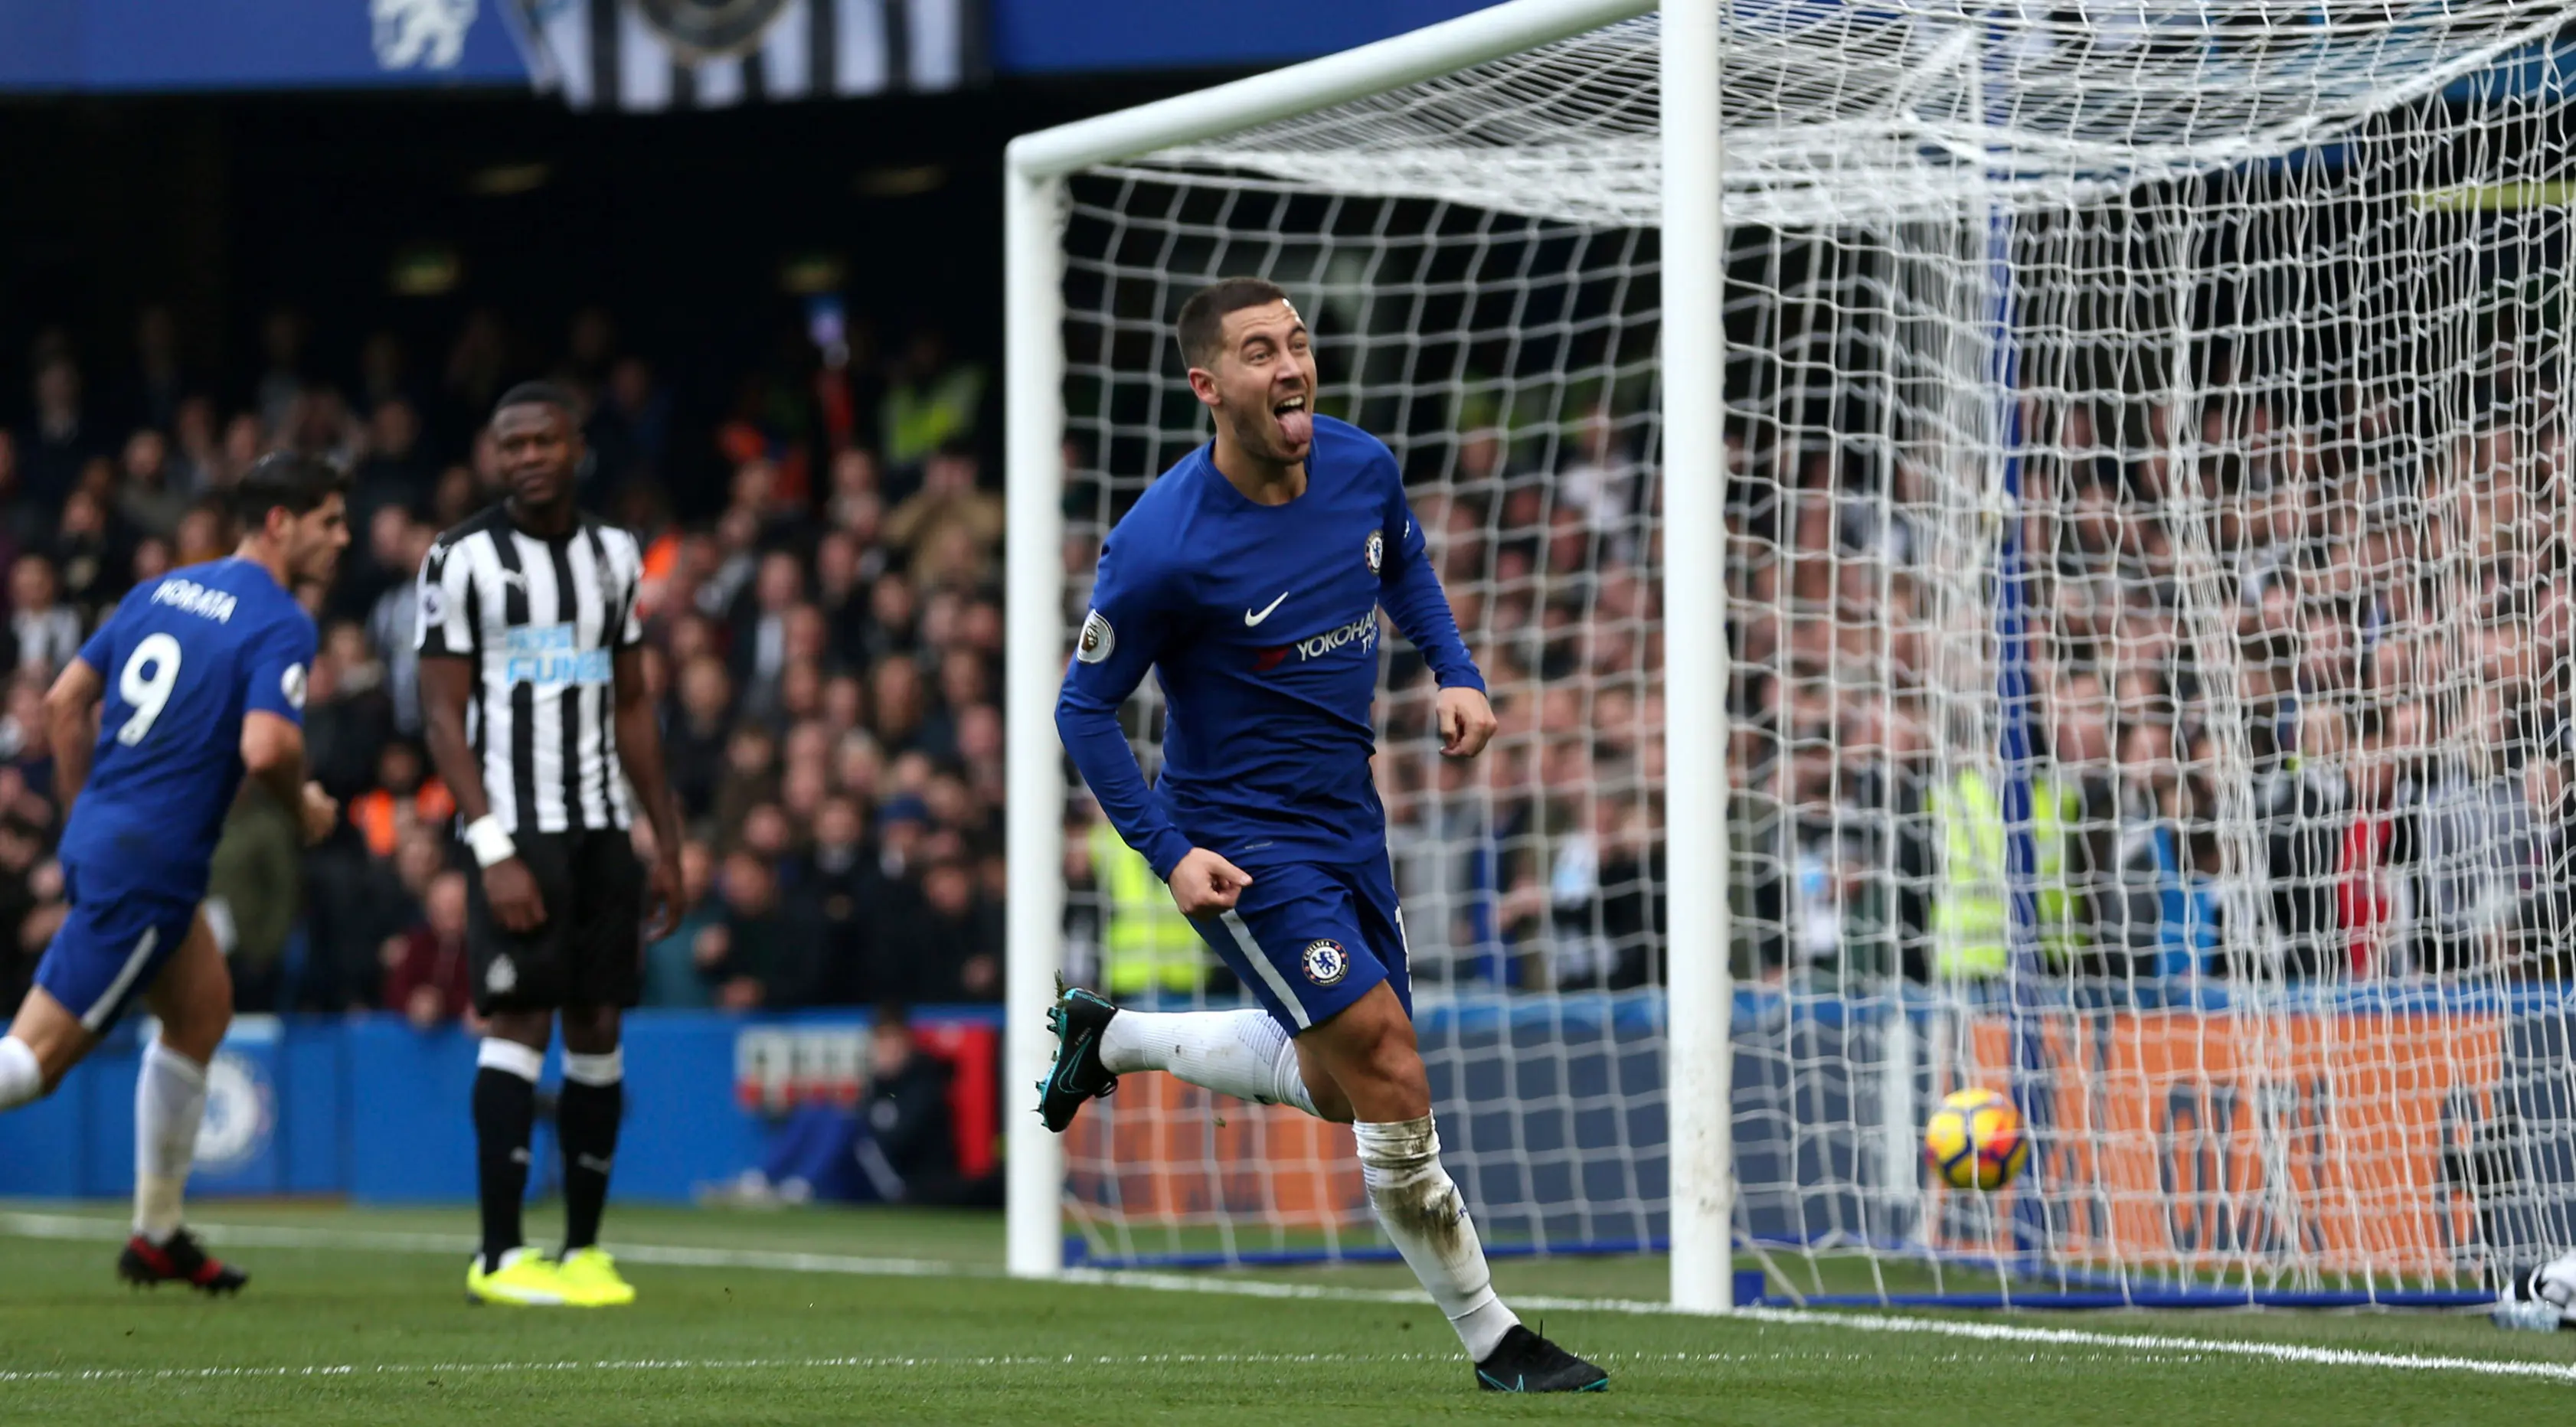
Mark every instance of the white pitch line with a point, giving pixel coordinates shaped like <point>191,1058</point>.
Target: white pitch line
<point>72,1226</point>
<point>87,1376</point>
<point>2141,1343</point>
<point>103,1375</point>
<point>75,1226</point>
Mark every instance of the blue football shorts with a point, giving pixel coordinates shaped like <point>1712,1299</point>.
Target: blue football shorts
<point>109,949</point>
<point>1310,939</point>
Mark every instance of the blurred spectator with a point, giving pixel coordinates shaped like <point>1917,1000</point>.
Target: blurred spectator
<point>281,338</point>
<point>61,440</point>
<point>46,631</point>
<point>23,519</point>
<point>630,431</point>
<point>429,976</point>
<point>157,386</point>
<point>948,498</point>
<point>150,501</point>
<point>22,851</point>
<point>393,624</point>
<point>197,463</point>
<point>947,945</point>
<point>394,474</point>
<point>253,893</point>
<point>347,715</point>
<point>405,800</point>
<point>907,1141</point>
<point>676,967</point>
<point>760,632</point>
<point>761,952</point>
<point>848,896</point>
<point>930,402</point>
<point>89,554</point>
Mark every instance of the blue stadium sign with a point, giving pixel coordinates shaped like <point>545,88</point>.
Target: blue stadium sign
<point>152,45</point>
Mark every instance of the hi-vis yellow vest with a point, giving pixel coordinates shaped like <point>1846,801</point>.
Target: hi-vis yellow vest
<point>918,422</point>
<point>1146,945</point>
<point>1971,916</point>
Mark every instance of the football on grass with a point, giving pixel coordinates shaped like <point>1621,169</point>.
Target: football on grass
<point>1975,1141</point>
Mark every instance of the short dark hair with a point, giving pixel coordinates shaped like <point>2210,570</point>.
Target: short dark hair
<point>540,394</point>
<point>1202,322</point>
<point>299,483</point>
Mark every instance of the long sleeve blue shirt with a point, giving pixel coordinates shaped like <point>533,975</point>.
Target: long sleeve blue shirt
<point>1261,623</point>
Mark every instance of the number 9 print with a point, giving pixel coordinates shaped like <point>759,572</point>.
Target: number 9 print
<point>146,691</point>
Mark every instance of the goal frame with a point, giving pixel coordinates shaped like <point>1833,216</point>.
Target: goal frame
<point>1699,994</point>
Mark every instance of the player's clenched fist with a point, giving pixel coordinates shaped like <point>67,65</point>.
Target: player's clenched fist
<point>321,813</point>
<point>512,890</point>
<point>1204,883</point>
<point>1467,722</point>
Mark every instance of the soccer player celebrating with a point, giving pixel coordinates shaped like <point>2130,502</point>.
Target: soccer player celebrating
<point>527,613</point>
<point>1250,578</point>
<point>197,677</point>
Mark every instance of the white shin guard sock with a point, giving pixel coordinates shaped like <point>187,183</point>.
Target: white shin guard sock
<point>1421,1210</point>
<point>169,1104</point>
<point>22,1077</point>
<point>1240,1053</point>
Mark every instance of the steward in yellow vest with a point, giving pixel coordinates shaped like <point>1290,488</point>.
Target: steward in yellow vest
<point>1146,945</point>
<point>1972,910</point>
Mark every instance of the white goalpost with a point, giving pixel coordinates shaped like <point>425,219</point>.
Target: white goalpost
<point>2021,548</point>
<point>1035,195</point>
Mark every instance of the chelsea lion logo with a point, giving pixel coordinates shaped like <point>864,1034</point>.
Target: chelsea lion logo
<point>1324,961</point>
<point>1376,550</point>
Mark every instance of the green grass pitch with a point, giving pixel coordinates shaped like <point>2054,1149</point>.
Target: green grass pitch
<point>822,1317</point>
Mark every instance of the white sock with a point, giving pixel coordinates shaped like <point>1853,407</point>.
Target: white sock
<point>21,1078</point>
<point>169,1105</point>
<point>1240,1053</point>
<point>1421,1210</point>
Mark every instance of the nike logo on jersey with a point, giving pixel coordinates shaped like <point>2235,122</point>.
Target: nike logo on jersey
<point>1250,619</point>
<point>513,577</point>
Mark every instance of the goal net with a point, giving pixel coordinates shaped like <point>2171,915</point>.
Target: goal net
<point>2147,533</point>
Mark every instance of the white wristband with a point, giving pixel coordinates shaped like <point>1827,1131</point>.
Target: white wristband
<point>490,841</point>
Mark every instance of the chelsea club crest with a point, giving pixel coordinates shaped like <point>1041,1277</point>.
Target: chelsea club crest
<point>1376,550</point>
<point>1324,961</point>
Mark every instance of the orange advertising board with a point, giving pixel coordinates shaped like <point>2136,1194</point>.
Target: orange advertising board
<point>1166,1151</point>
<point>2177,1137</point>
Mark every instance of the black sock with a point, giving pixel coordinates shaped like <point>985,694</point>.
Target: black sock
<point>586,1119</point>
<point>505,1112</point>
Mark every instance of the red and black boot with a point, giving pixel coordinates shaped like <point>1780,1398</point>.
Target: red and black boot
<point>146,1264</point>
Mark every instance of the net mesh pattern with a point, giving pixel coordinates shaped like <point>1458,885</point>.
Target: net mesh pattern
<point>2148,536</point>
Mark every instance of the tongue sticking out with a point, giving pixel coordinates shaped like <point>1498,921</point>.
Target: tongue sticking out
<point>1297,426</point>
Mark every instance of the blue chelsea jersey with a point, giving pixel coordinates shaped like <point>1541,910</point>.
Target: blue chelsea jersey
<point>1261,623</point>
<point>184,659</point>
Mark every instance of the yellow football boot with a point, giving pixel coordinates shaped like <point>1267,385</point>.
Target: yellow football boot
<point>525,1279</point>
<point>589,1279</point>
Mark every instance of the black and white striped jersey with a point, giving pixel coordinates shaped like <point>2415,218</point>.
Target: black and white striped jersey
<point>542,621</point>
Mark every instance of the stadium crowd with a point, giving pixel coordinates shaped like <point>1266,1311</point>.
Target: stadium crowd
<point>2298,706</point>
<point>2318,729</point>
<point>2392,636</point>
<point>823,635</point>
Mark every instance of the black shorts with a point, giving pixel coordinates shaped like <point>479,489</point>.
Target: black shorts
<point>589,951</point>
